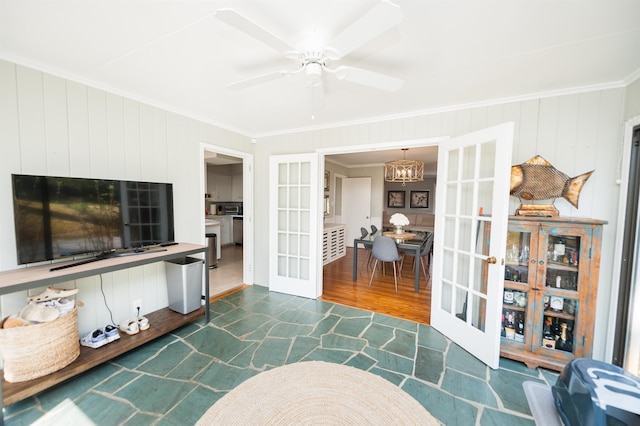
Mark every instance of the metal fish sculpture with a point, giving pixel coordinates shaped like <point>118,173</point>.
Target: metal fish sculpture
<point>537,179</point>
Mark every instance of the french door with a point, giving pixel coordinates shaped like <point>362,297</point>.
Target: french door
<point>294,225</point>
<point>472,198</point>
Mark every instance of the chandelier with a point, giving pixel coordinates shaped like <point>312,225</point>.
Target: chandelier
<point>404,170</point>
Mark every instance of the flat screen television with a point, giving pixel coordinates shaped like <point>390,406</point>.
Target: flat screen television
<point>62,217</point>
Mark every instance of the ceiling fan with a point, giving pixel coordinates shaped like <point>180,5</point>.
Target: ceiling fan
<point>317,60</point>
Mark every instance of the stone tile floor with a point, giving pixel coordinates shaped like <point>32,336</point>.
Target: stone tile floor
<point>176,378</point>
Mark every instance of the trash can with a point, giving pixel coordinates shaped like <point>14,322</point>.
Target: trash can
<point>212,242</point>
<point>184,284</point>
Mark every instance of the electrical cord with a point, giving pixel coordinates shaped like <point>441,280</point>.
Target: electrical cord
<point>105,302</point>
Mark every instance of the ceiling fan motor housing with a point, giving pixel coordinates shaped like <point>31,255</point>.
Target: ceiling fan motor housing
<point>314,70</point>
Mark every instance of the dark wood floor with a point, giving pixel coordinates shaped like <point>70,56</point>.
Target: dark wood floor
<point>381,297</point>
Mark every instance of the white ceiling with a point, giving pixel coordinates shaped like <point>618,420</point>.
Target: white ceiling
<point>177,55</point>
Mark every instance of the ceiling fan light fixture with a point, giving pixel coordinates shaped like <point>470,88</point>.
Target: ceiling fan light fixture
<point>314,70</point>
<point>404,170</point>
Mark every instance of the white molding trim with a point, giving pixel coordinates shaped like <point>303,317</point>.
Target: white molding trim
<point>479,104</point>
<point>112,90</point>
<point>382,146</point>
<point>351,166</point>
<point>631,78</point>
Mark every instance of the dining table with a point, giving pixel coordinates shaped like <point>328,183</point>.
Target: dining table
<point>406,241</point>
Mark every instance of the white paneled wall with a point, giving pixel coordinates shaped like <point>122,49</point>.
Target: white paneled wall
<point>576,133</point>
<point>52,126</point>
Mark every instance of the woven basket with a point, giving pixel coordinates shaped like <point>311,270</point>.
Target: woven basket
<point>37,350</point>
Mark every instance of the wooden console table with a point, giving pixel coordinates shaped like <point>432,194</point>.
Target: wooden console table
<point>162,321</point>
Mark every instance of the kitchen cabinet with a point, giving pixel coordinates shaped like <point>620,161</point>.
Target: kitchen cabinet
<point>226,229</point>
<point>333,243</point>
<point>223,187</point>
<point>236,187</point>
<point>218,186</point>
<point>550,288</point>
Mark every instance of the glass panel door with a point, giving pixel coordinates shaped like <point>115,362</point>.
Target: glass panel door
<point>469,239</point>
<point>294,212</point>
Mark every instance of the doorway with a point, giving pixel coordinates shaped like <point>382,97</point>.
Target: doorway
<point>337,282</point>
<point>227,183</point>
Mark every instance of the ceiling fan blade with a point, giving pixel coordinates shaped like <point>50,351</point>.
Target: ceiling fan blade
<point>369,78</point>
<point>242,84</point>
<point>379,19</point>
<point>247,26</point>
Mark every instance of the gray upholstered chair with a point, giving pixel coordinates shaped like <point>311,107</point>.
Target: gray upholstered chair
<point>425,252</point>
<point>385,250</point>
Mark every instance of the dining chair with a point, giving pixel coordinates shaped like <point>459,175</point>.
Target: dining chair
<point>367,245</point>
<point>385,250</point>
<point>425,253</point>
<point>363,232</point>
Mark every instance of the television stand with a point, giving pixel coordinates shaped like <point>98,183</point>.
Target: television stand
<point>79,262</point>
<point>162,321</point>
<point>108,255</point>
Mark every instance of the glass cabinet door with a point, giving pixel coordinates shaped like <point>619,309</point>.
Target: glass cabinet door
<point>560,299</point>
<point>563,258</point>
<point>559,323</point>
<point>516,301</point>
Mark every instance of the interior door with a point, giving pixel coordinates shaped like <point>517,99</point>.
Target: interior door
<point>294,188</point>
<point>356,206</point>
<point>472,199</point>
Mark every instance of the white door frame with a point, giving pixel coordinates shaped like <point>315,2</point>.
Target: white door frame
<point>247,204</point>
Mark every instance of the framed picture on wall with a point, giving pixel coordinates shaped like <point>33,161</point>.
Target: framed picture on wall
<point>395,199</point>
<point>419,200</point>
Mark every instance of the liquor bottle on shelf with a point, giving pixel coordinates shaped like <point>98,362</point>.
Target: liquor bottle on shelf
<point>519,336</point>
<point>510,329</point>
<point>558,251</point>
<point>555,328</point>
<point>548,339</point>
<point>502,332</point>
<point>564,341</point>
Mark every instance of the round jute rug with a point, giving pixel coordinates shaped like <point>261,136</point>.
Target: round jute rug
<point>317,392</point>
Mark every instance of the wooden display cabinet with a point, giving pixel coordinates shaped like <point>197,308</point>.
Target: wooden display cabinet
<point>551,282</point>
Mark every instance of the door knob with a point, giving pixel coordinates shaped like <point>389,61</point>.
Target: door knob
<point>492,260</point>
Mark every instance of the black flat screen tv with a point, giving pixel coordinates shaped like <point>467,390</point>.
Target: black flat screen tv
<point>62,217</point>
